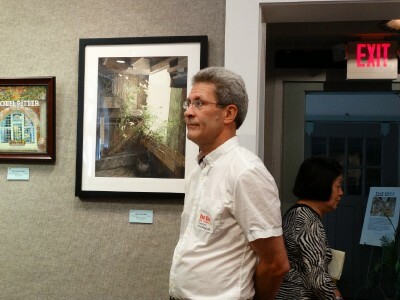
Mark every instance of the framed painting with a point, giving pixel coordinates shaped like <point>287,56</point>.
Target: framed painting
<point>131,135</point>
<point>27,120</point>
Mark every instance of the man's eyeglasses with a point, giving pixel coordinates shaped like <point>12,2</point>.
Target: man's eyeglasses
<point>197,103</point>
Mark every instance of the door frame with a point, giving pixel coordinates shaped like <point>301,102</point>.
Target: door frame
<point>294,106</point>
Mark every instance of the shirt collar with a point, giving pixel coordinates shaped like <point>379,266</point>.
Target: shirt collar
<point>213,156</point>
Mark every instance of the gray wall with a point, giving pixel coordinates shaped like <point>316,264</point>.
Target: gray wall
<point>53,245</point>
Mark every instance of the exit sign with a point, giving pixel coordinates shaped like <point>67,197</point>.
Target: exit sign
<point>372,60</point>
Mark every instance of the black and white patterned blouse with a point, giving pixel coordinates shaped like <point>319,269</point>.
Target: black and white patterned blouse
<point>309,255</point>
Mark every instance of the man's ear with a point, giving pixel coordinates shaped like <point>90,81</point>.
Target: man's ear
<point>230,114</point>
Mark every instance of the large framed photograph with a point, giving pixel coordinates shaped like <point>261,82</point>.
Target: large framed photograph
<point>131,135</point>
<point>27,120</point>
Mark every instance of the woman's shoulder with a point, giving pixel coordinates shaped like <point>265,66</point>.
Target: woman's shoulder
<point>300,210</point>
<point>300,214</point>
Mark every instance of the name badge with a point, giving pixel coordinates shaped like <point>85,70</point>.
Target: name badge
<point>205,222</point>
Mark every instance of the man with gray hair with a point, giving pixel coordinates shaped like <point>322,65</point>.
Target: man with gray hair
<point>230,244</point>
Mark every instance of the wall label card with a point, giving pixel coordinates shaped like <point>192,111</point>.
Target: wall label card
<point>18,174</point>
<point>141,216</point>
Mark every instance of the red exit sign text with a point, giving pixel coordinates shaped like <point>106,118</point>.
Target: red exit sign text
<point>372,60</point>
<point>372,55</point>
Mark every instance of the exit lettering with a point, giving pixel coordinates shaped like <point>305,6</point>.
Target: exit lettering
<point>372,55</point>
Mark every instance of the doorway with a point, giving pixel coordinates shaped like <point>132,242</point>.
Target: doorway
<point>361,130</point>
<point>367,157</point>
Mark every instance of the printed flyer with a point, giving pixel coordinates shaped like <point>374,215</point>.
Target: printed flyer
<point>381,215</point>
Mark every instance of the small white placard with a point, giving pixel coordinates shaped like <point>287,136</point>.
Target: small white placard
<point>18,174</point>
<point>141,216</point>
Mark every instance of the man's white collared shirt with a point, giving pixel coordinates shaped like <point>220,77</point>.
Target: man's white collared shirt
<point>231,199</point>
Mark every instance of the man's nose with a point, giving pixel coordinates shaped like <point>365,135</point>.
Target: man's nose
<point>189,111</point>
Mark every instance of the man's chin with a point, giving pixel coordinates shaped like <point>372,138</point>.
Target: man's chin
<point>191,137</point>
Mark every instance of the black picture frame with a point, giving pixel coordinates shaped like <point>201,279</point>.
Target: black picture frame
<point>131,136</point>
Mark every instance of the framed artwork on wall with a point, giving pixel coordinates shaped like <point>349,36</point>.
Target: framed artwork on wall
<point>27,120</point>
<point>131,133</point>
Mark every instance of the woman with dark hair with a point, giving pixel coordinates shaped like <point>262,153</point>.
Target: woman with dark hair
<point>318,188</point>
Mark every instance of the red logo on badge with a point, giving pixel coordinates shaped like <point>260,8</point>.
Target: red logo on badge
<point>205,219</point>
